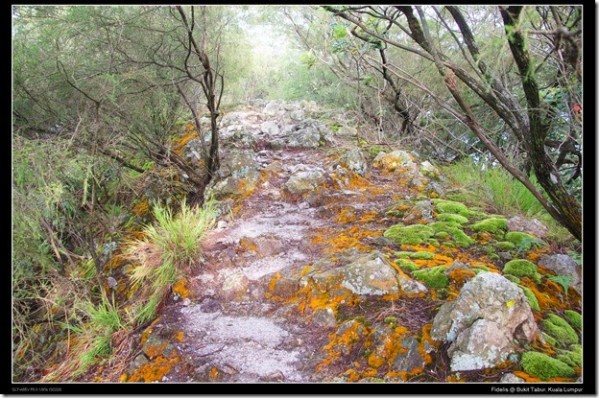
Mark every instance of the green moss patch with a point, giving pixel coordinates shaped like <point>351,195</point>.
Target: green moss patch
<point>442,235</point>
<point>532,299</point>
<point>572,358</point>
<point>409,235</point>
<point>450,217</point>
<point>454,230</point>
<point>574,318</point>
<point>548,339</point>
<point>433,277</point>
<point>523,241</point>
<point>496,226</point>
<point>512,278</point>
<point>522,268</point>
<point>507,246</point>
<point>449,206</point>
<point>416,255</point>
<point>545,367</point>
<point>560,329</point>
<point>406,265</point>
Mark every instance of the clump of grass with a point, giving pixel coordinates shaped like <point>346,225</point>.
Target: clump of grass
<point>177,235</point>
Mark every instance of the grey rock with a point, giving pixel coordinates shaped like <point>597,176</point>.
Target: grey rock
<point>428,170</point>
<point>270,128</point>
<point>562,264</point>
<point>409,359</point>
<point>304,181</point>
<point>324,317</point>
<point>422,210</point>
<point>347,131</point>
<point>485,322</point>
<point>511,378</point>
<point>138,362</point>
<point>355,161</point>
<point>533,227</point>
<point>234,286</point>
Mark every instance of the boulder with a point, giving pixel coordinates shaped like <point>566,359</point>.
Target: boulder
<point>346,131</point>
<point>420,213</point>
<point>308,133</point>
<point>485,322</point>
<point>305,181</point>
<point>410,358</point>
<point>270,128</point>
<point>355,161</point>
<point>370,275</point>
<point>562,264</point>
<point>511,378</point>
<point>522,224</point>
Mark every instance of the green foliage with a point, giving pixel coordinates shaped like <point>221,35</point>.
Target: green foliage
<point>574,318</point>
<point>522,268</point>
<point>564,280</point>
<point>560,329</point>
<point>408,235</point>
<point>545,367</point>
<point>433,277</point>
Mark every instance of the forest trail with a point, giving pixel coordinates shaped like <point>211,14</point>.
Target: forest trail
<point>297,282</point>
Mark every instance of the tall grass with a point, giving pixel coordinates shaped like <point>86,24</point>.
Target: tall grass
<point>494,187</point>
<point>172,242</point>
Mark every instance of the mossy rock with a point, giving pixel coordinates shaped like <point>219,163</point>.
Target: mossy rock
<point>512,278</point>
<point>454,218</point>
<point>434,242</point>
<point>416,255</point>
<point>574,318</point>
<point>409,235</point>
<point>454,230</point>
<point>532,299</point>
<point>522,268</point>
<point>433,277</point>
<point>507,246</point>
<point>523,241</point>
<point>406,265</point>
<point>449,206</point>
<point>560,329</point>
<point>493,257</point>
<point>572,358</point>
<point>545,367</point>
<point>496,226</point>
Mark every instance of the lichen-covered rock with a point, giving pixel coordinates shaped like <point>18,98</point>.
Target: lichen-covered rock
<point>409,235</point>
<point>562,264</point>
<point>355,161</point>
<point>324,317</point>
<point>480,346</point>
<point>234,285</point>
<point>428,170</point>
<point>420,213</point>
<point>308,133</point>
<point>507,319</point>
<point>370,275</point>
<point>270,128</point>
<point>522,268</point>
<point>522,224</point>
<point>545,367</point>
<point>305,181</point>
<point>409,358</point>
<point>394,160</point>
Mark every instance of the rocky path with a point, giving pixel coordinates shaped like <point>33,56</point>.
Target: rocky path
<point>298,284</point>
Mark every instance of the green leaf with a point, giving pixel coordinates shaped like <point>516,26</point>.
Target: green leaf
<point>564,280</point>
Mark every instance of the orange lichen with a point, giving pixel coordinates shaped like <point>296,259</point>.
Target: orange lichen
<point>141,208</point>
<point>190,133</point>
<point>247,245</point>
<point>154,370</point>
<point>214,374</point>
<point>527,378</point>
<point>424,340</point>
<point>347,239</point>
<point>461,275</point>
<point>368,216</point>
<point>549,295</point>
<point>181,288</point>
<point>346,216</point>
<point>114,262</point>
<point>179,336</point>
<point>272,285</point>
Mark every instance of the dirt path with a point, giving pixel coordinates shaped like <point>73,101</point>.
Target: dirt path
<point>229,328</point>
